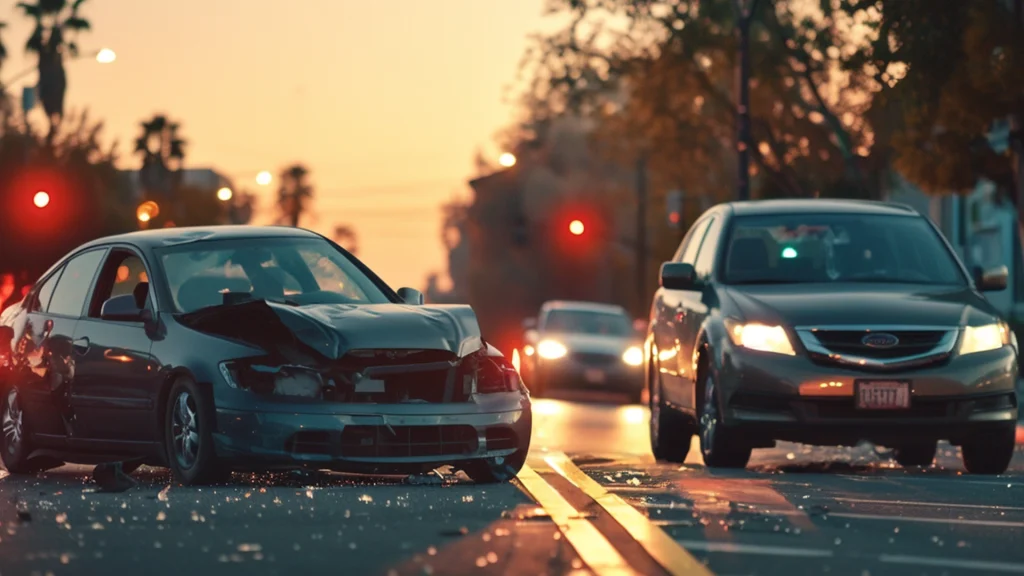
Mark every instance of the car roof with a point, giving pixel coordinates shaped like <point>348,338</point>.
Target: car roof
<point>820,205</point>
<point>583,306</point>
<point>183,235</point>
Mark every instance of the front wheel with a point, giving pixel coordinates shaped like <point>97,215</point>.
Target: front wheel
<point>495,470</point>
<point>721,446</point>
<point>188,435</point>
<point>991,452</point>
<point>670,432</point>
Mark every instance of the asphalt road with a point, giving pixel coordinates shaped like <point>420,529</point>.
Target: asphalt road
<point>591,500</point>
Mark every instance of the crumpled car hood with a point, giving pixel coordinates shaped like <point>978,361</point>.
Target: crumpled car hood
<point>332,330</point>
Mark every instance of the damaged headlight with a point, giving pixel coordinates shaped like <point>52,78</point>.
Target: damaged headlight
<point>295,381</point>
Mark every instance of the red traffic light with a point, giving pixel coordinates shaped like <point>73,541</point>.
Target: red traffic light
<point>576,227</point>
<point>41,199</point>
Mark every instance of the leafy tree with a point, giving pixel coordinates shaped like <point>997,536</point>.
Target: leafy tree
<point>53,20</point>
<point>294,195</point>
<point>89,196</point>
<point>660,76</point>
<point>954,70</point>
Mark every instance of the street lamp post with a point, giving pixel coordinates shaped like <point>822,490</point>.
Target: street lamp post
<point>744,14</point>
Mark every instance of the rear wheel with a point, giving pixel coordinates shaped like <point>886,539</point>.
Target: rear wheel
<point>722,447</point>
<point>495,470</point>
<point>670,432</point>
<point>919,454</point>
<point>15,446</point>
<point>188,435</point>
<point>991,452</point>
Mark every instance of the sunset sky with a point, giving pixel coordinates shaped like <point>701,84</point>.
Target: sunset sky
<point>385,101</point>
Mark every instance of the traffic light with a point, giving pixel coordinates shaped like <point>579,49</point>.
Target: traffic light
<point>576,228</point>
<point>674,208</point>
<point>41,199</point>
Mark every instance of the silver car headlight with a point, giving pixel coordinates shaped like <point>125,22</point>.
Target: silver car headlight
<point>551,349</point>
<point>760,337</point>
<point>984,338</point>
<point>633,356</point>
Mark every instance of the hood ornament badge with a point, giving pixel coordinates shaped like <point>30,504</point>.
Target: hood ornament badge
<point>880,340</point>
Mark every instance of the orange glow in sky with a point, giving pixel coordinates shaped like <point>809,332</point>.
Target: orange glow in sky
<point>385,102</point>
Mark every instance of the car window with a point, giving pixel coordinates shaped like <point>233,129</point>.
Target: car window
<point>299,270</point>
<point>689,253</point>
<point>74,284</point>
<point>588,322</point>
<point>123,273</point>
<point>706,256</point>
<point>786,248</point>
<point>45,292</point>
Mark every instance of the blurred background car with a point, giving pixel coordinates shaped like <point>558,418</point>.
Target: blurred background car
<point>582,346</point>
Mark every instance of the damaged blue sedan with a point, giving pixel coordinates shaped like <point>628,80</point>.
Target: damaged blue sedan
<point>220,349</point>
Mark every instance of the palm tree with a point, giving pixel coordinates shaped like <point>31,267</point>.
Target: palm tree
<point>163,153</point>
<point>48,42</point>
<point>294,194</point>
<point>345,236</point>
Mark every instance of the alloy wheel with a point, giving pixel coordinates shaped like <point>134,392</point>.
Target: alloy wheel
<point>185,430</point>
<point>13,422</point>
<point>708,417</point>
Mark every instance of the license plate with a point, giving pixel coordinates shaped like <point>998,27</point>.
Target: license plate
<point>594,376</point>
<point>883,395</point>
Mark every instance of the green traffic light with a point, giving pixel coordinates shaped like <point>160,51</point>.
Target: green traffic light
<point>789,252</point>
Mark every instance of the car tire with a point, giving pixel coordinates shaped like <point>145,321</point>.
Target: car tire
<point>188,435</point>
<point>15,446</point>
<point>495,470</point>
<point>991,452</point>
<point>721,447</point>
<point>670,432</point>
<point>918,454</point>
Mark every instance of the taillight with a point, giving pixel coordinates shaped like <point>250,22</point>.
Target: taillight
<point>496,374</point>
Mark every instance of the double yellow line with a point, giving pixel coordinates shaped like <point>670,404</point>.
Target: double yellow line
<point>593,547</point>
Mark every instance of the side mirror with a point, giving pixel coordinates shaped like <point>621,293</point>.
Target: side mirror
<point>411,296</point>
<point>529,323</point>
<point>993,279</point>
<point>678,276</point>
<point>124,309</point>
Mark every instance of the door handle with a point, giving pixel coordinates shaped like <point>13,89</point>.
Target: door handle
<point>81,345</point>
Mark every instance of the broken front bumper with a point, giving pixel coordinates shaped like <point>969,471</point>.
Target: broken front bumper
<point>381,438</point>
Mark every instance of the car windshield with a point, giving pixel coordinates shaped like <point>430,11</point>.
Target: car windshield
<point>791,248</point>
<point>588,322</point>
<point>290,270</point>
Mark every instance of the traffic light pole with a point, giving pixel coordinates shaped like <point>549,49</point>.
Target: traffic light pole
<point>641,233</point>
<point>744,14</point>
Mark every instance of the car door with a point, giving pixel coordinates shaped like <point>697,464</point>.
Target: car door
<point>56,365</point>
<point>115,381</point>
<point>669,314</point>
<point>697,304</point>
<point>36,343</point>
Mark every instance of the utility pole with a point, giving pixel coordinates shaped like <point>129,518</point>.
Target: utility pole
<point>744,13</point>
<point>641,233</point>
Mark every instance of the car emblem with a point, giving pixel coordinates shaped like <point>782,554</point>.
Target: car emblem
<point>879,340</point>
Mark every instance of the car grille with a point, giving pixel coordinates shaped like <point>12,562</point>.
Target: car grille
<point>407,441</point>
<point>911,342</point>
<point>594,359</point>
